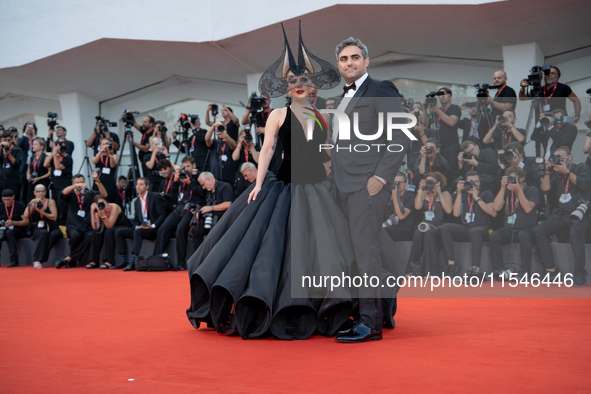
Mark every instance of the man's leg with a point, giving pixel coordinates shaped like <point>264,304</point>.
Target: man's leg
<point>165,232</point>
<point>577,242</point>
<point>182,232</point>
<point>542,234</point>
<point>121,236</point>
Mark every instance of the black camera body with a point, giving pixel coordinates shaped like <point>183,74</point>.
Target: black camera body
<point>555,160</point>
<point>429,149</point>
<point>39,205</point>
<point>468,185</point>
<point>146,223</point>
<point>33,175</point>
<point>128,118</point>
<point>467,155</point>
<point>183,174</point>
<point>429,184</point>
<point>536,79</point>
<point>256,103</point>
<point>101,206</point>
<point>192,206</point>
<point>214,109</point>
<point>482,90</point>
<point>52,121</point>
<point>512,179</point>
<point>248,138</point>
<point>431,99</point>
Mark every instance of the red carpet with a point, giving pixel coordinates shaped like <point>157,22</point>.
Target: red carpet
<point>82,331</point>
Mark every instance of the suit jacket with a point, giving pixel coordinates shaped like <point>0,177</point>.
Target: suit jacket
<point>564,137</point>
<point>351,170</point>
<point>156,210</point>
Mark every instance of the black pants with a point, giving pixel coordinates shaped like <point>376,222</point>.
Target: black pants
<point>79,241</point>
<point>176,223</point>
<point>505,236</point>
<point>365,214</point>
<point>45,241</point>
<point>558,224</point>
<point>451,232</point>
<point>400,233</point>
<point>11,236</point>
<point>424,253</point>
<point>103,245</point>
<point>137,234</point>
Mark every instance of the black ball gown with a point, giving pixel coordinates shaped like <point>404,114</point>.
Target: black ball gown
<point>247,274</point>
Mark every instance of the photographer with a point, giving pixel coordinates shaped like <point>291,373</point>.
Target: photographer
<point>160,132</point>
<point>472,129</point>
<point>169,186</point>
<point>401,220</point>
<point>448,117</point>
<point>514,155</point>
<point>567,185</point>
<point>11,158</point>
<point>78,228</point>
<point>159,153</point>
<point>59,163</point>
<point>147,130</point>
<point>519,201</point>
<point>245,152</point>
<point>330,103</point>
<point>430,160</point>
<point>25,144</point>
<point>120,197</point>
<point>43,226</point>
<point>105,161</point>
<point>190,195</point>
<point>259,118</point>
<point>218,198</point>
<point>504,131</point>
<point>13,226</point>
<point>149,216</point>
<point>475,211</point>
<point>249,175</point>
<point>426,242</point>
<point>60,132</point>
<point>553,130</point>
<point>106,219</point>
<point>505,98</point>
<point>196,145</point>
<point>37,173</point>
<point>230,121</point>
<point>555,93</point>
<point>101,132</point>
<point>222,147</point>
<point>484,161</point>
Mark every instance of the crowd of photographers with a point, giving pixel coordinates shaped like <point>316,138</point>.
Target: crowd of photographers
<point>467,179</point>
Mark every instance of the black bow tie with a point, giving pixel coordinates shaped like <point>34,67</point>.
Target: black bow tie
<point>347,88</point>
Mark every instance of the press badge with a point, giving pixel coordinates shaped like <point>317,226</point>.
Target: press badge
<point>57,172</point>
<point>224,158</point>
<point>411,188</point>
<point>181,194</point>
<point>565,198</point>
<point>7,165</point>
<point>511,219</point>
<point>469,217</point>
<point>546,108</point>
<point>11,228</point>
<point>429,216</point>
<point>81,213</point>
<point>192,148</point>
<point>41,224</point>
<point>106,170</point>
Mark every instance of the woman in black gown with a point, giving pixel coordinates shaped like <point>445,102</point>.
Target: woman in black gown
<point>247,274</point>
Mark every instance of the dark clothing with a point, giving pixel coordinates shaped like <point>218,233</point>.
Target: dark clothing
<point>502,138</point>
<point>69,145</point>
<point>37,169</point>
<point>10,174</point>
<point>221,164</point>
<point>473,131</point>
<point>515,216</point>
<point>532,178</point>
<point>197,148</point>
<point>153,174</point>
<point>487,169</point>
<point>560,185</point>
<point>448,135</point>
<point>107,177</point>
<point>13,233</point>
<point>46,232</point>
<point>79,209</point>
<point>424,253</point>
<point>453,232</point>
<point>553,138</point>
<point>504,236</point>
<point>471,214</point>
<point>146,134</point>
<point>504,95</point>
<point>169,190</point>
<point>96,145</point>
<point>105,240</point>
<point>60,179</point>
<point>441,165</point>
<point>406,227</point>
<point>556,97</point>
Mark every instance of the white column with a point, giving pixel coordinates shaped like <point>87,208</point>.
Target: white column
<point>77,114</point>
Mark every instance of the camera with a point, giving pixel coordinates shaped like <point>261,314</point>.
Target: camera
<point>208,221</point>
<point>467,155</point>
<point>507,155</point>
<point>221,128</point>
<point>39,205</point>
<point>186,121</point>
<point>214,109</point>
<point>101,206</point>
<point>128,117</point>
<point>471,105</point>
<point>84,191</point>
<point>512,179</point>
<point>33,175</point>
<point>431,100</point>
<point>256,103</point>
<point>554,160</point>
<point>109,146</point>
<point>62,146</point>
<point>184,174</point>
<point>564,119</point>
<point>502,119</point>
<point>248,138</point>
<point>146,223</point>
<point>482,90</point>
<point>468,185</point>
<point>2,229</point>
<point>429,184</point>
<point>5,148</point>
<point>429,149</point>
<point>392,221</point>
<point>163,128</point>
<point>104,124</point>
<point>577,215</point>
<point>535,78</point>
<point>424,227</point>
<point>546,119</point>
<point>52,122</point>
<point>190,206</point>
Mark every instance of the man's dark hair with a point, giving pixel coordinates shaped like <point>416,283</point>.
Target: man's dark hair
<point>151,119</point>
<point>146,180</point>
<point>164,164</point>
<point>446,90</point>
<point>25,127</point>
<point>563,149</point>
<point>7,193</point>
<point>61,127</point>
<point>510,110</point>
<point>472,173</point>
<point>515,170</point>
<point>189,159</point>
<point>400,173</point>
<point>515,146</point>
<point>558,111</point>
<point>77,176</point>
<point>466,144</point>
<point>557,71</point>
<point>433,141</point>
<point>122,177</point>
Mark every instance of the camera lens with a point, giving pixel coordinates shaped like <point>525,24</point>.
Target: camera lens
<point>221,128</point>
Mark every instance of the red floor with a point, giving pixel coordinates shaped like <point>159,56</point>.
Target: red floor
<point>75,330</point>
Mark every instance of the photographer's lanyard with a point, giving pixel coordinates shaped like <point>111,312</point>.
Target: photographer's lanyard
<point>507,211</point>
<point>168,184</point>
<point>223,148</point>
<point>499,92</point>
<point>147,133</point>
<point>122,195</point>
<point>44,208</point>
<point>549,97</point>
<point>567,184</point>
<point>193,141</point>
<point>144,206</point>
<point>80,202</point>
<point>431,202</point>
<point>106,162</point>
<point>507,140</point>
<point>246,154</point>
<point>36,163</point>
<point>11,211</point>
<point>470,204</point>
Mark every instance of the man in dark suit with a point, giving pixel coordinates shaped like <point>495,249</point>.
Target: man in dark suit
<point>150,213</point>
<point>363,180</point>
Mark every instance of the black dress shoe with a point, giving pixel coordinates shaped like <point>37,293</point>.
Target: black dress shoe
<point>13,264</point>
<point>347,327</point>
<point>129,267</point>
<point>360,333</point>
<point>60,263</point>
<point>119,265</point>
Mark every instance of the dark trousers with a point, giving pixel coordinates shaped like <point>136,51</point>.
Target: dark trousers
<point>79,241</point>
<point>558,224</point>
<point>451,232</point>
<point>504,236</point>
<point>365,214</point>
<point>103,245</point>
<point>62,205</point>
<point>45,241</point>
<point>177,224</point>
<point>400,233</point>
<point>137,234</point>
<point>424,253</point>
<point>11,236</point>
